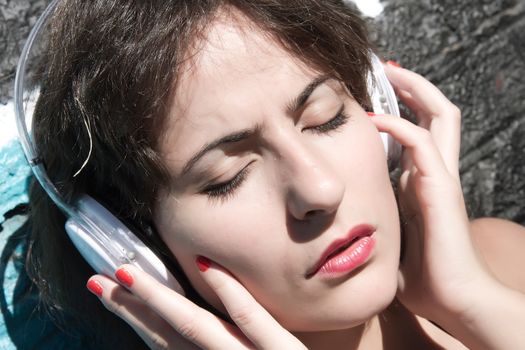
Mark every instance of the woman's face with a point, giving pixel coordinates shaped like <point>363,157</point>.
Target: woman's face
<point>267,174</point>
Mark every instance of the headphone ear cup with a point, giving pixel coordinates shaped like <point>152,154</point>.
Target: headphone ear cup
<point>105,242</point>
<point>384,101</point>
<point>393,151</point>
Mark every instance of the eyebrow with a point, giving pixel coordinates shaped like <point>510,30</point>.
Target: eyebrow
<point>230,138</point>
<point>292,107</point>
<point>298,102</point>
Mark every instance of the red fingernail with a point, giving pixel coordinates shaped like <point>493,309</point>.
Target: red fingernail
<point>371,114</point>
<point>394,63</point>
<point>124,277</point>
<point>94,287</point>
<point>203,263</point>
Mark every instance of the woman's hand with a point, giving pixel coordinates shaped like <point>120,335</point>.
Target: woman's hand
<point>439,263</point>
<point>441,275</point>
<point>165,319</point>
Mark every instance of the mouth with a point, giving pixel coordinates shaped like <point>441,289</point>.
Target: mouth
<point>345,254</point>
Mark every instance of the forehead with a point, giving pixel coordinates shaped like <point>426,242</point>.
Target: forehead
<point>234,51</point>
<point>236,73</point>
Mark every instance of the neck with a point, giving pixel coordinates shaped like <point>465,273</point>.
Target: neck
<point>364,336</point>
<point>394,328</point>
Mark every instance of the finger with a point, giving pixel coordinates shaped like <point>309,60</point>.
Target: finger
<point>153,330</point>
<point>254,321</point>
<point>433,110</point>
<point>427,96</point>
<point>417,141</point>
<point>194,323</point>
<point>446,131</point>
<point>408,100</point>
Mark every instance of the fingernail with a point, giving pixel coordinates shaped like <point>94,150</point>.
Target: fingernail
<point>95,287</point>
<point>124,277</point>
<point>371,114</point>
<point>203,263</point>
<point>393,63</point>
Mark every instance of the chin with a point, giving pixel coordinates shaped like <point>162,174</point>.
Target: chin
<point>364,297</point>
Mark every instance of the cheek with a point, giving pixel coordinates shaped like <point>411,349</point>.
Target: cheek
<point>224,231</point>
<point>362,159</point>
<point>369,192</point>
<point>239,234</point>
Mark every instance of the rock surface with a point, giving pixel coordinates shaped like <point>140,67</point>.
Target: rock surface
<point>474,51</point>
<point>17,17</point>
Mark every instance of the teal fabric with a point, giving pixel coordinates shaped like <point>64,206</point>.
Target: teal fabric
<point>14,172</point>
<point>10,269</point>
<point>23,324</point>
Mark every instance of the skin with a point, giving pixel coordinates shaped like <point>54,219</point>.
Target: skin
<point>304,188</point>
<point>301,193</point>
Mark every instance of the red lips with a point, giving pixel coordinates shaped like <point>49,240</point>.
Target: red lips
<point>363,230</point>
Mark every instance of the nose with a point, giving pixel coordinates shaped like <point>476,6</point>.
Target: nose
<point>314,187</point>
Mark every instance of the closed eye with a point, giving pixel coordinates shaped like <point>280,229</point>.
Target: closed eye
<point>336,122</point>
<point>225,189</point>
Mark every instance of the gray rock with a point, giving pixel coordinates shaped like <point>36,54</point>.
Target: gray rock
<point>474,51</point>
<point>17,17</point>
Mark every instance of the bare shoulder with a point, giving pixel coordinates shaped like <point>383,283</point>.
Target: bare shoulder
<point>502,245</point>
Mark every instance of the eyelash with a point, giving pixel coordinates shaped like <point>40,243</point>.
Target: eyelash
<point>225,190</point>
<point>335,123</point>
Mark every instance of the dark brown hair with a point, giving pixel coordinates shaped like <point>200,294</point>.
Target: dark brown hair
<point>110,69</point>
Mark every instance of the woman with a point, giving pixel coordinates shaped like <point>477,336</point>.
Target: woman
<point>235,135</point>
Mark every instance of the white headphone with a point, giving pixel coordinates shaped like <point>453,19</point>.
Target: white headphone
<point>384,102</point>
<point>101,238</point>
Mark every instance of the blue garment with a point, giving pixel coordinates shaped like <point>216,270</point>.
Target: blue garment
<point>14,174</point>
<point>23,325</point>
